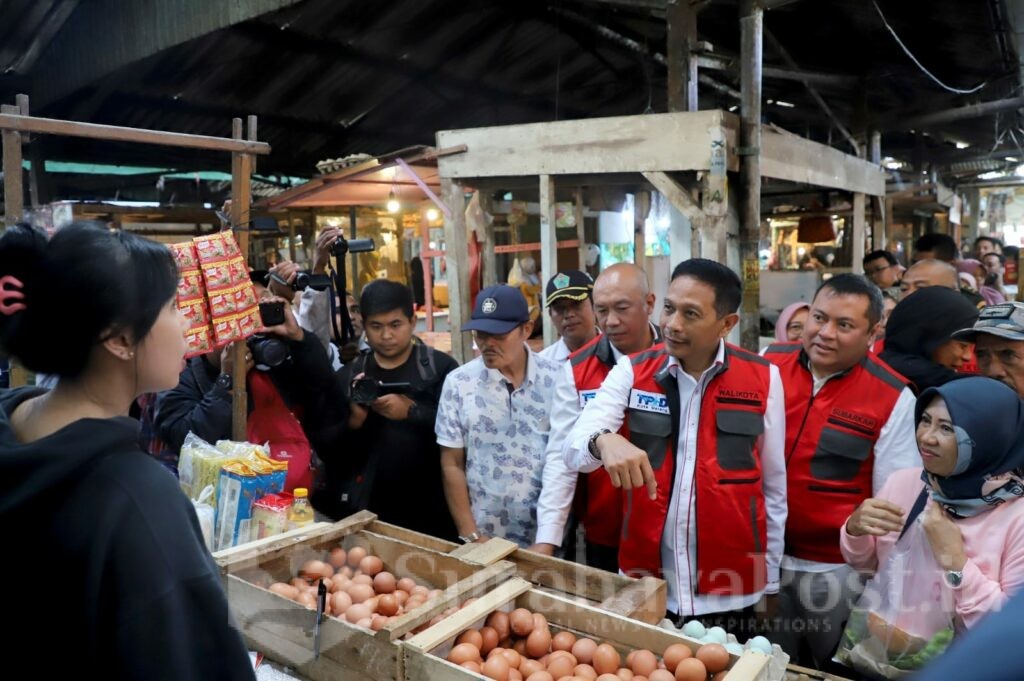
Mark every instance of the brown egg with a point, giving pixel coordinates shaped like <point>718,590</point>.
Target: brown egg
<point>659,675</point>
<point>328,570</point>
<point>400,596</point>
<point>363,579</point>
<point>496,668</point>
<point>560,666</point>
<point>464,652</point>
<point>337,558</point>
<point>585,671</point>
<point>355,556</point>
<point>471,636</point>
<point>472,666</point>
<point>489,638</point>
<point>357,612</point>
<point>529,667</point>
<point>714,656</point>
<point>563,640</point>
<point>378,622</point>
<point>387,605</point>
<point>691,669</point>
<point>299,583</point>
<point>384,583</point>
<point>372,602</point>
<point>498,621</point>
<point>514,659</point>
<point>360,592</point>
<point>539,642</point>
<point>515,675</point>
<point>312,570</point>
<point>406,584</point>
<point>365,623</point>
<point>306,599</point>
<point>539,621</point>
<point>371,565</point>
<point>328,583</point>
<point>496,651</point>
<point>340,602</point>
<point>606,659</point>
<point>521,621</point>
<point>583,650</point>
<point>520,646</point>
<point>420,590</point>
<point>643,663</point>
<point>411,604</point>
<point>541,675</point>
<point>347,572</point>
<point>625,674</point>
<point>287,590</point>
<point>608,677</point>
<point>674,654</point>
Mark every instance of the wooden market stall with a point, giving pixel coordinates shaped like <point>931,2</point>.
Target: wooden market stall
<point>16,124</point>
<point>686,156</point>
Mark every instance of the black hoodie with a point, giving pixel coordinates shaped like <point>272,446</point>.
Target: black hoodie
<point>105,569</point>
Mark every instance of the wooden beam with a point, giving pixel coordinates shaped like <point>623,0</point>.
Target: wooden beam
<point>241,199</point>
<point>548,247</point>
<point>959,113</point>
<point>676,194</point>
<point>580,231</point>
<point>669,142</point>
<point>457,260</point>
<point>785,156</point>
<point>51,126</point>
<point>722,61</point>
<point>751,55</point>
<point>682,62</point>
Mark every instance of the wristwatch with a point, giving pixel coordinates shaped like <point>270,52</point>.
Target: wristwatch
<point>470,538</point>
<point>954,578</point>
<point>225,381</point>
<point>592,443</point>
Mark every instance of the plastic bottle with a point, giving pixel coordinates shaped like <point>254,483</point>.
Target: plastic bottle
<point>300,513</point>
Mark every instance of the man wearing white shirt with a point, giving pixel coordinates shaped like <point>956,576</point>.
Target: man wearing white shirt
<point>569,303</point>
<point>850,423</point>
<point>703,464</point>
<point>623,302</point>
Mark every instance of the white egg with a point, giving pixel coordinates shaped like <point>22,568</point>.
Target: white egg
<point>694,629</point>
<point>717,635</point>
<point>760,644</point>
<point>734,648</point>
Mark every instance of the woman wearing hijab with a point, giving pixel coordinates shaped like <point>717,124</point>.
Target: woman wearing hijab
<point>918,336</point>
<point>971,437</point>
<point>790,325</point>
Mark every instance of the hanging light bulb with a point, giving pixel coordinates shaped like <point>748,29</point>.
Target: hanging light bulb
<point>432,214</point>
<point>393,205</point>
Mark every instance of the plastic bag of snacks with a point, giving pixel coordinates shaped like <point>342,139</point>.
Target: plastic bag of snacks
<point>269,515</point>
<point>241,483</point>
<point>199,465</point>
<point>906,615</point>
<point>205,512</point>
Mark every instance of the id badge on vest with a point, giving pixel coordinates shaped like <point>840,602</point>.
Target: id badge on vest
<point>643,400</point>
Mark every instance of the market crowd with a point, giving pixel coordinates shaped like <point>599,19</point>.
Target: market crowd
<point>766,489</point>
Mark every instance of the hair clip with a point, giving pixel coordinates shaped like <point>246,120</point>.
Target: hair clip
<point>10,290</point>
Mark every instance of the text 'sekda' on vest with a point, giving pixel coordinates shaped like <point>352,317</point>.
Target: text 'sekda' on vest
<point>730,510</point>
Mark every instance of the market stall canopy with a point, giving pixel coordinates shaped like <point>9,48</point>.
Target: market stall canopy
<point>411,175</point>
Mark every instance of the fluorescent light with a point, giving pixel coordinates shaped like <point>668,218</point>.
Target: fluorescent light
<point>787,105</point>
<point>962,145</point>
<point>733,107</point>
<point>992,175</point>
<point>1012,159</point>
<point>1019,171</point>
<point>891,163</point>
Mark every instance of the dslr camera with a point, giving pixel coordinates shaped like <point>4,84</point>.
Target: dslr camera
<point>366,390</point>
<point>344,246</point>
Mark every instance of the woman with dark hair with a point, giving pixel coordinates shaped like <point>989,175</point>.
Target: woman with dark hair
<point>918,336</point>
<point>137,587</point>
<point>970,434</point>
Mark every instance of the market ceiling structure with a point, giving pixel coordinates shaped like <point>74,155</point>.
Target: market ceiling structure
<point>329,78</point>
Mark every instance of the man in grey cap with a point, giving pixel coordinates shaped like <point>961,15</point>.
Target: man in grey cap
<point>998,338</point>
<point>569,301</point>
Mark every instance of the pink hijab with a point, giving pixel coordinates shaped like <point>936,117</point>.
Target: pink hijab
<point>785,316</point>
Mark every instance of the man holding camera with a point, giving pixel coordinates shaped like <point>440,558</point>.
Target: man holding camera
<point>384,457</point>
<point>285,400</point>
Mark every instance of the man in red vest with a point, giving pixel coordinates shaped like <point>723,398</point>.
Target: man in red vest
<point>623,303</point>
<point>850,424</point>
<point>699,453</point>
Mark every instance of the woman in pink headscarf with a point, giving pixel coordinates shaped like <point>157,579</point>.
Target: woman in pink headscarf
<point>976,270</point>
<point>790,325</point>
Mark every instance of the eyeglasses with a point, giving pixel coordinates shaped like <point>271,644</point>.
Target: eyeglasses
<point>876,270</point>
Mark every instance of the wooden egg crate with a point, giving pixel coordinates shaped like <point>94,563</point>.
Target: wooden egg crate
<point>425,652</point>
<point>284,630</point>
<point>640,599</point>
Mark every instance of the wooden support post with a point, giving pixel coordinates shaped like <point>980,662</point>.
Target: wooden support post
<point>241,198</point>
<point>858,233</point>
<point>14,199</point>
<point>641,207</point>
<point>548,246</point>
<point>457,258</point>
<point>428,274</point>
<point>580,232</point>
<point>684,203</point>
<point>751,51</point>
<point>877,202</point>
<point>291,236</point>
<point>889,226</point>
<point>681,16</point>
<point>488,258</point>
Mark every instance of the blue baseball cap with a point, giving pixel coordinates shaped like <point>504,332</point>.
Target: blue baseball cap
<point>498,310</point>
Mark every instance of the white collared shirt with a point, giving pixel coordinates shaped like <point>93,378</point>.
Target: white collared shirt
<point>679,539</point>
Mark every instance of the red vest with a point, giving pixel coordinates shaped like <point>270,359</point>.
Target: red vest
<point>273,422</point>
<point>598,504</point>
<point>830,442</point>
<point>730,512</point>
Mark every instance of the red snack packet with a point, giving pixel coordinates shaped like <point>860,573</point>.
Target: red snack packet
<point>185,256</point>
<point>217,275</point>
<point>198,341</point>
<point>211,248</point>
<point>195,311</point>
<point>226,331</point>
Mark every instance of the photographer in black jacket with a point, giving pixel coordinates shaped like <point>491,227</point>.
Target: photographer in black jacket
<point>385,457</point>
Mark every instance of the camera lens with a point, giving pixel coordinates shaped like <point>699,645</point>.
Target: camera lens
<point>267,351</point>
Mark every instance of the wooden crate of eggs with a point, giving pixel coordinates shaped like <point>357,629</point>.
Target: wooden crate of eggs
<point>519,633</point>
<point>380,589</point>
<point>640,599</point>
